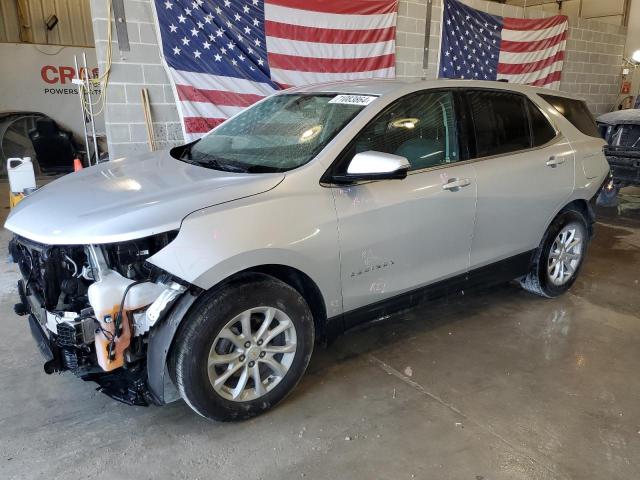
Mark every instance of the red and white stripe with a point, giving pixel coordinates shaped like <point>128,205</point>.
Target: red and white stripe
<point>312,42</point>
<point>532,50</point>
<point>204,107</point>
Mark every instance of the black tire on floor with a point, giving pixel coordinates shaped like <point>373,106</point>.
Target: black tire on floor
<point>537,281</point>
<point>206,319</point>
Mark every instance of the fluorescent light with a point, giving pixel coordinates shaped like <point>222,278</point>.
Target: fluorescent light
<point>636,56</point>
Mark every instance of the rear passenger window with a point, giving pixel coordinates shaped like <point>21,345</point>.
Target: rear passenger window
<point>500,121</point>
<point>541,129</point>
<point>576,112</point>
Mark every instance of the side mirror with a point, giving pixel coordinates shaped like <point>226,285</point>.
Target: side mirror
<point>371,165</point>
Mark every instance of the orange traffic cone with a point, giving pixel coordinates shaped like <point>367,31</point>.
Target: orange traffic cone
<point>77,165</point>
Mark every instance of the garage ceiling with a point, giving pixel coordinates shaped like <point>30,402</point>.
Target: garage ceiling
<point>611,11</point>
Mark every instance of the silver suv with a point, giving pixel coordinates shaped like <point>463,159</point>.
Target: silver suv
<point>209,272</point>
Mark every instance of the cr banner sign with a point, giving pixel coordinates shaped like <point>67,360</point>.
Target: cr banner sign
<point>39,80</point>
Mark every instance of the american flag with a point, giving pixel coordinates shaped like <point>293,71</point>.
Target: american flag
<point>224,55</point>
<point>480,46</point>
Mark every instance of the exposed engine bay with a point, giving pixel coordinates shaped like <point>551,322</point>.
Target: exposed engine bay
<point>91,308</point>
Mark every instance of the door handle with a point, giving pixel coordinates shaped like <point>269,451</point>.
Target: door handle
<point>455,184</point>
<point>554,161</point>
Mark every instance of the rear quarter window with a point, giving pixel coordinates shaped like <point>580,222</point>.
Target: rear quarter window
<point>541,129</point>
<point>576,112</point>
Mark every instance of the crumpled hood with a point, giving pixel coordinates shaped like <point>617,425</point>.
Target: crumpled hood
<point>128,198</point>
<point>630,116</point>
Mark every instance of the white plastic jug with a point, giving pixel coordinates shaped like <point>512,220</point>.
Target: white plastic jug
<point>105,297</point>
<point>21,175</point>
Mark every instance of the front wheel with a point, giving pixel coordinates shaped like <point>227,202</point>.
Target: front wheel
<point>558,259</point>
<point>243,348</point>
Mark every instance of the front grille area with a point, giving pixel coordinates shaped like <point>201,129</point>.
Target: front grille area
<point>55,282</point>
<point>52,273</point>
<point>625,164</point>
<point>68,336</point>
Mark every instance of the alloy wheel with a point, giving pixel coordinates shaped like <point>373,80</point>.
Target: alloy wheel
<point>565,254</point>
<point>252,354</point>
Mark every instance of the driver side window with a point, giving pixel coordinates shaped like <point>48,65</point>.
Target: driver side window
<point>420,127</point>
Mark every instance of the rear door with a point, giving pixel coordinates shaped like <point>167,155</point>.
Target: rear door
<point>525,173</point>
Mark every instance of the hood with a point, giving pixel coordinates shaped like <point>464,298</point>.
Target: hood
<point>128,198</point>
<point>630,116</point>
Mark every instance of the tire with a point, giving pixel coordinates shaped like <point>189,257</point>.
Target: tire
<point>540,280</point>
<point>206,336</point>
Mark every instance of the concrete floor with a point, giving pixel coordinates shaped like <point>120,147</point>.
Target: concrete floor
<point>502,385</point>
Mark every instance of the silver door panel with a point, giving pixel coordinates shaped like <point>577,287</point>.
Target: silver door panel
<point>517,194</point>
<point>397,235</point>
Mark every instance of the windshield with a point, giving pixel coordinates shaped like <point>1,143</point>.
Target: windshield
<point>625,136</point>
<point>276,135</point>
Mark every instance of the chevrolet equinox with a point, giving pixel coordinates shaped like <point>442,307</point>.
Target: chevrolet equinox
<point>209,272</point>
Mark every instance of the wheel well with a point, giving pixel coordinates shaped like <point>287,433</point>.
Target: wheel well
<point>585,209</point>
<point>302,283</point>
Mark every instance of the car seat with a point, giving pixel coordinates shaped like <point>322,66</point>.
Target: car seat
<point>54,147</point>
<point>422,152</point>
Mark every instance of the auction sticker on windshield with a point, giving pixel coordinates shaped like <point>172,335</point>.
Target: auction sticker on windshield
<point>353,99</point>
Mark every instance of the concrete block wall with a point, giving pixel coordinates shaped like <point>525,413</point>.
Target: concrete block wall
<point>410,31</point>
<point>130,72</point>
<point>592,67</point>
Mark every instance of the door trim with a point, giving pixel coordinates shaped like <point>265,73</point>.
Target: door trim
<point>486,276</point>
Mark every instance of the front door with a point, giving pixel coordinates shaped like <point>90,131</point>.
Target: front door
<point>398,235</point>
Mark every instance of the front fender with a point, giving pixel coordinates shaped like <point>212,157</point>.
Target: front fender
<point>254,258</point>
<point>160,339</point>
<point>293,225</point>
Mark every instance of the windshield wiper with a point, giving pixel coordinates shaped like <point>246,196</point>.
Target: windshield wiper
<point>262,169</point>
<point>218,163</point>
<point>209,161</point>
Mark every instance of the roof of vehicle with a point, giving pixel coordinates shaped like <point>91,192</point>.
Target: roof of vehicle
<point>383,87</point>
<point>631,116</point>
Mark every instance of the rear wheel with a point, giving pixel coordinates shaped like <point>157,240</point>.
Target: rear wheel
<point>243,348</point>
<point>559,258</point>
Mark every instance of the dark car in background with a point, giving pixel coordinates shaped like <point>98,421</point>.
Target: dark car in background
<point>621,130</point>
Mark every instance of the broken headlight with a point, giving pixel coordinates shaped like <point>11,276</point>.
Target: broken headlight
<point>129,258</point>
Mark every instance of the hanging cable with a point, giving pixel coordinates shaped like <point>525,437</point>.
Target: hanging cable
<point>103,80</point>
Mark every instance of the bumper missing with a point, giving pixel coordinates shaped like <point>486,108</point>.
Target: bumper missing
<point>51,361</point>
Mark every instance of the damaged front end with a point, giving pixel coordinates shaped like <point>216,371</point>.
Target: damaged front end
<point>92,310</point>
<point>621,131</point>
